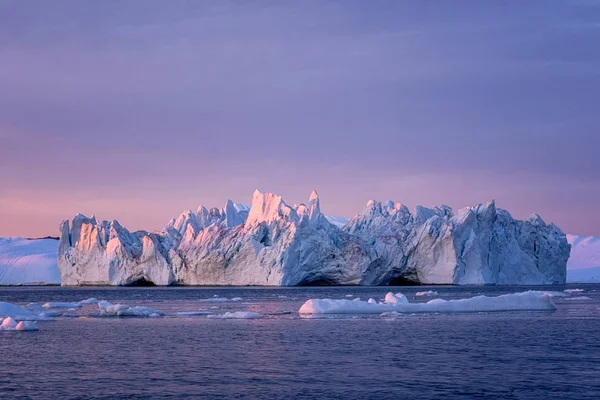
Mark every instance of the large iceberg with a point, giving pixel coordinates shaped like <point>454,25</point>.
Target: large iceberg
<point>584,263</point>
<point>28,261</point>
<point>273,243</point>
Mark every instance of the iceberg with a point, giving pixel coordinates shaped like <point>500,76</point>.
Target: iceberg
<point>584,263</point>
<point>28,261</point>
<point>271,243</point>
<point>526,301</point>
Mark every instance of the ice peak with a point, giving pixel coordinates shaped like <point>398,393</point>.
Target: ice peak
<point>267,207</point>
<point>231,215</point>
<point>313,196</point>
<point>536,219</point>
<point>314,206</point>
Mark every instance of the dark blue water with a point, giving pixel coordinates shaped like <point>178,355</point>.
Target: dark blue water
<point>527,355</point>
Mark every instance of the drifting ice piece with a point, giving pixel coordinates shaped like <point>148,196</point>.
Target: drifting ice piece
<point>525,301</point>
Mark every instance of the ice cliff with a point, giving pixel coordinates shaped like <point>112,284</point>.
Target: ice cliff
<point>273,243</point>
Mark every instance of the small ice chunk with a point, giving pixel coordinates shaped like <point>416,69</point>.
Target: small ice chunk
<point>349,295</point>
<point>427,293</point>
<point>236,315</point>
<point>216,299</point>
<point>397,298</point>
<point>390,314</point>
<point>92,300</point>
<point>37,307</point>
<point>192,313</point>
<point>58,304</point>
<point>27,326</point>
<point>372,301</point>
<point>123,310</point>
<point>8,324</point>
<point>237,299</point>
<point>573,290</point>
<point>51,314</point>
<point>578,298</point>
<point>549,293</point>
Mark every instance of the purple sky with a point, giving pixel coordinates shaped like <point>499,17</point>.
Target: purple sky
<point>137,110</point>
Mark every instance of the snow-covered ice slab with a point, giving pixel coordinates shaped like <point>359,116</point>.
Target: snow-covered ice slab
<point>236,315</point>
<point>526,301</point>
<point>108,309</point>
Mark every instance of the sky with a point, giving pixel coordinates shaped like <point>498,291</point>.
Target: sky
<point>138,110</point>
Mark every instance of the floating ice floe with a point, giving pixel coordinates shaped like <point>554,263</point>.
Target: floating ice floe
<point>92,300</point>
<point>193,313</point>
<point>573,291</point>
<point>427,293</point>
<point>51,314</point>
<point>578,298</point>
<point>216,299</point>
<point>236,315</point>
<point>58,304</point>
<point>20,314</point>
<point>237,299</point>
<point>108,309</point>
<point>548,292</point>
<point>526,301</point>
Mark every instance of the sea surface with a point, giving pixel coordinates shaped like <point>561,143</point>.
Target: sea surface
<point>502,355</point>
